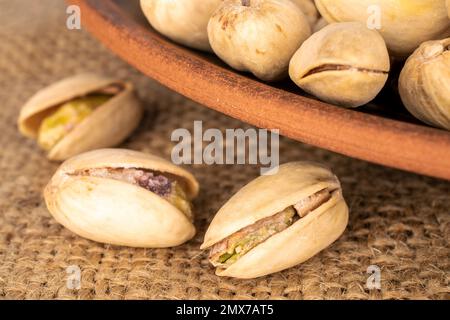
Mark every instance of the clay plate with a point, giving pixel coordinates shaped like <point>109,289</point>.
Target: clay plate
<point>382,132</point>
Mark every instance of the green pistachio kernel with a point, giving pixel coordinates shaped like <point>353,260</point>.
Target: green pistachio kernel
<point>224,257</point>
<point>66,117</point>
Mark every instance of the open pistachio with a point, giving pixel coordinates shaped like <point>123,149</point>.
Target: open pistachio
<point>277,221</point>
<point>259,36</point>
<point>344,64</point>
<point>183,21</point>
<point>404,24</point>
<point>80,113</point>
<point>309,9</point>
<point>424,83</point>
<point>123,197</point>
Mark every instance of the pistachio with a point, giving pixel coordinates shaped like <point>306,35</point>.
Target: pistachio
<point>309,9</point>
<point>66,117</point>
<point>320,24</point>
<point>80,113</point>
<point>259,36</point>
<point>404,24</point>
<point>424,83</point>
<point>344,64</point>
<point>180,20</point>
<point>123,197</point>
<point>277,221</point>
<point>447,3</point>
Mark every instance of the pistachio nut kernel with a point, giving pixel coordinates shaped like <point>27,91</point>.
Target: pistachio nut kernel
<point>229,250</point>
<point>164,185</point>
<point>57,125</point>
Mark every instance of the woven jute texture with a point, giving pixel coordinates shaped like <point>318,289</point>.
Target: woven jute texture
<point>398,221</point>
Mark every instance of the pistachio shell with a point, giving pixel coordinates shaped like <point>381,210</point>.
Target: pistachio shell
<point>107,126</point>
<point>117,212</point>
<point>269,194</point>
<point>320,24</point>
<point>424,83</point>
<point>343,63</point>
<point>182,21</point>
<point>259,36</point>
<point>405,24</point>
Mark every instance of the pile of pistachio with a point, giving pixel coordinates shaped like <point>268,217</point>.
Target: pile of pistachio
<point>278,220</point>
<point>337,50</point>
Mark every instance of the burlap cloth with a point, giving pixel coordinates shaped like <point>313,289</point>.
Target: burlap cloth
<point>398,221</point>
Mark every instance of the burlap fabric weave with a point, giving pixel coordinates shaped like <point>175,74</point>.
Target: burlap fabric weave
<point>398,221</point>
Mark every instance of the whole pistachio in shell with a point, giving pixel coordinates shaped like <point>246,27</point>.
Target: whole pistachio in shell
<point>404,24</point>
<point>123,197</point>
<point>80,113</point>
<point>424,83</point>
<point>259,36</point>
<point>277,221</point>
<point>309,9</point>
<point>343,63</point>
<point>183,21</point>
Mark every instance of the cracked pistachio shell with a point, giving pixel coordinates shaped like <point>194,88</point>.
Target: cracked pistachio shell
<point>183,21</point>
<point>309,9</point>
<point>344,64</point>
<point>424,83</point>
<point>107,126</point>
<point>117,212</point>
<point>405,24</point>
<point>268,195</point>
<point>258,36</point>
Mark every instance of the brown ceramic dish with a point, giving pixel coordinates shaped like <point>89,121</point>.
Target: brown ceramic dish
<point>382,132</point>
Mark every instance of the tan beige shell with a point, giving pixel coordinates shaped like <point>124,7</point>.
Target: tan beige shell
<point>447,3</point>
<point>117,212</point>
<point>182,21</point>
<point>273,29</point>
<point>424,83</point>
<point>320,24</point>
<point>405,24</point>
<point>269,194</point>
<point>107,126</point>
<point>343,63</point>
